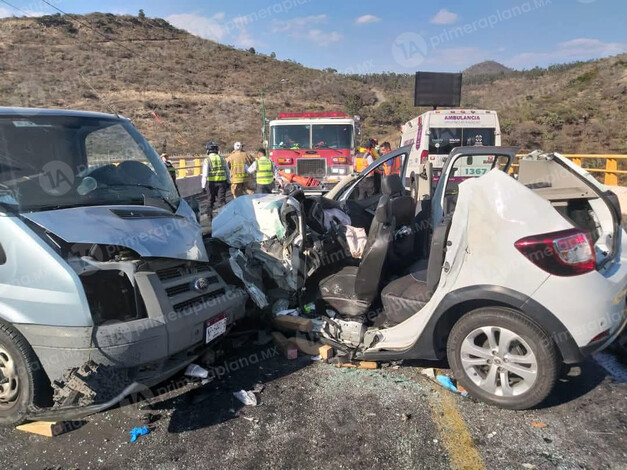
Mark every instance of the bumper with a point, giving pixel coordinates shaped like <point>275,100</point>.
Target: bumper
<point>151,349</point>
<point>588,305</point>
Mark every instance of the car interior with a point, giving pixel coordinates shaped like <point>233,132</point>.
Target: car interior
<point>402,260</point>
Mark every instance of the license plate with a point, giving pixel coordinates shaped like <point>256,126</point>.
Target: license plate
<point>215,327</point>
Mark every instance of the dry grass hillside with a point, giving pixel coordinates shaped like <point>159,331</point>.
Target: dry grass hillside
<point>202,90</point>
<point>199,89</point>
<point>571,108</point>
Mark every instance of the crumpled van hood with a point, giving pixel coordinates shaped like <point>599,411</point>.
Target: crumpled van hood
<point>150,231</point>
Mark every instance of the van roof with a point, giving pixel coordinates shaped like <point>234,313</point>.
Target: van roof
<point>32,112</point>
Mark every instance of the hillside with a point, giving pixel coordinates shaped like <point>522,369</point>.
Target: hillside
<point>202,90</point>
<point>572,108</point>
<point>487,67</point>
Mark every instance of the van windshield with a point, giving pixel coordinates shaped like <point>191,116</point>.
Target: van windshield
<point>443,140</point>
<point>54,162</point>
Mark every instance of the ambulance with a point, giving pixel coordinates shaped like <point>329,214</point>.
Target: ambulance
<point>434,134</point>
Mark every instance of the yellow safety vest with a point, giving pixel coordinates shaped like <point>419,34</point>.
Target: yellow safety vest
<point>217,170</point>
<point>265,174</point>
<point>359,163</point>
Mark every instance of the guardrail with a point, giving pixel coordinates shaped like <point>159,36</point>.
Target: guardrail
<point>607,166</point>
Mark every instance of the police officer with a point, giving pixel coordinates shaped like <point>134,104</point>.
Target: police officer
<point>215,173</point>
<point>265,171</point>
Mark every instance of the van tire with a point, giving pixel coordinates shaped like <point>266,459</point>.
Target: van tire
<point>32,383</point>
<point>546,358</point>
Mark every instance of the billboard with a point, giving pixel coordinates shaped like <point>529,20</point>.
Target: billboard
<point>438,89</point>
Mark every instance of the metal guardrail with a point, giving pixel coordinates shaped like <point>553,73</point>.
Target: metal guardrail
<point>192,166</point>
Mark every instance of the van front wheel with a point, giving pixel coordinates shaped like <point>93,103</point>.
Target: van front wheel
<point>21,377</point>
<point>502,358</point>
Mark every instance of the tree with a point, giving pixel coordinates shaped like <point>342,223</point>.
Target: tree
<point>141,14</point>
<point>353,103</point>
<point>273,55</point>
<point>252,50</point>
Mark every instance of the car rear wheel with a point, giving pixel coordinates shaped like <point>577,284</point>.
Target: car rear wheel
<point>21,377</point>
<point>503,358</point>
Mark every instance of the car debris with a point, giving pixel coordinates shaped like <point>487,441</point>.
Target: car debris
<point>448,383</point>
<point>197,372</point>
<point>248,398</point>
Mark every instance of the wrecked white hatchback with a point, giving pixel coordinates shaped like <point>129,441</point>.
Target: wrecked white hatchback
<point>506,276</point>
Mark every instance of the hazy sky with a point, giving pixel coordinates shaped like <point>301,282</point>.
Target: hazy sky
<point>402,35</point>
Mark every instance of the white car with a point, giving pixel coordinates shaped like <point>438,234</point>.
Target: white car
<point>508,278</point>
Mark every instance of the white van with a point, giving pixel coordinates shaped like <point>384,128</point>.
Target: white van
<point>434,134</point>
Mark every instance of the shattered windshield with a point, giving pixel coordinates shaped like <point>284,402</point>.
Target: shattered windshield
<point>54,162</point>
<point>293,137</point>
<point>333,136</point>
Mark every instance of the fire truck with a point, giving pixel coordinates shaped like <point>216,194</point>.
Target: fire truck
<point>318,146</point>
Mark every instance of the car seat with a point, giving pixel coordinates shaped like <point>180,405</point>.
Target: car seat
<point>402,208</point>
<point>352,290</point>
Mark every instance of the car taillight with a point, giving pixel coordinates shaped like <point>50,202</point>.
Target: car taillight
<point>424,156</point>
<point>565,253</point>
<point>339,159</point>
<point>285,161</point>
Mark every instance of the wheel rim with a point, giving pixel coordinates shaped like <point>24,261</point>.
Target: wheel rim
<point>499,361</point>
<point>9,380</point>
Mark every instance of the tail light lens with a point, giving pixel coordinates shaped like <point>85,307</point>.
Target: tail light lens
<point>339,159</point>
<point>564,253</point>
<point>284,161</point>
<point>424,156</point>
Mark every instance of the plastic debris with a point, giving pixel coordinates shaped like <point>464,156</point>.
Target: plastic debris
<point>447,382</point>
<point>292,312</point>
<point>140,431</point>
<point>316,358</point>
<point>539,424</point>
<point>309,308</point>
<point>430,372</point>
<point>248,398</point>
<point>197,372</point>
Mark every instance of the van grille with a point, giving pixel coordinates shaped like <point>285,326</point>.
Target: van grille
<point>316,167</point>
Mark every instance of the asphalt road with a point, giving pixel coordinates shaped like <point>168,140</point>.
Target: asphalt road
<point>313,415</point>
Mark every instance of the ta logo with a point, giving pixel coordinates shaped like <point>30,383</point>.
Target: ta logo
<point>57,178</point>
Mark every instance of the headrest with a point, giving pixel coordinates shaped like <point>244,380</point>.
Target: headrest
<point>392,184</point>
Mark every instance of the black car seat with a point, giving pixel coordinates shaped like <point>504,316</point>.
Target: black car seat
<point>407,295</point>
<point>403,208</point>
<point>352,290</point>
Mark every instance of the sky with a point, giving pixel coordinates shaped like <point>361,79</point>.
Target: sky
<point>368,36</point>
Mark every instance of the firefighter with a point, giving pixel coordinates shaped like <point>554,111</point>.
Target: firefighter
<point>238,162</point>
<point>265,172</point>
<point>215,173</point>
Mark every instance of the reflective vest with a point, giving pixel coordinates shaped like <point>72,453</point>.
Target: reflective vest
<point>392,167</point>
<point>217,170</point>
<point>359,163</point>
<point>265,175</point>
<point>237,162</point>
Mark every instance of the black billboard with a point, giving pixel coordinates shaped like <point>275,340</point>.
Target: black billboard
<point>438,89</point>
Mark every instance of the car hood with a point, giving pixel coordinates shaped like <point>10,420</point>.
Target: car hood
<point>149,231</point>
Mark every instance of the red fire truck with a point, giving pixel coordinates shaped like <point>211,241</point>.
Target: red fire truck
<point>317,145</point>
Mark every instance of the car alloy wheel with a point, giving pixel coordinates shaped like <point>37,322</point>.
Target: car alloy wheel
<point>499,361</point>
